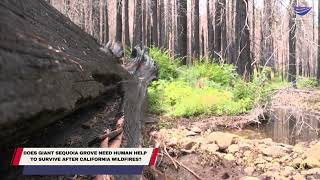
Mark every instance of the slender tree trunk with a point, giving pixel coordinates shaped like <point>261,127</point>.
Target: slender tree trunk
<point>267,44</point>
<point>162,27</point>
<point>95,19</point>
<point>217,33</point>
<point>126,24</point>
<point>137,35</point>
<point>101,25</point>
<point>202,44</point>
<point>196,40</point>
<point>174,28</point>
<point>292,71</point>
<point>210,30</point>
<point>106,22</point>
<point>233,49</point>
<point>118,37</point>
<point>318,58</point>
<point>143,15</point>
<point>242,35</point>
<point>154,36</point>
<point>182,30</point>
<point>253,31</point>
<point>313,38</point>
<point>88,16</point>
<point>223,29</point>
<point>168,24</point>
<point>149,23</point>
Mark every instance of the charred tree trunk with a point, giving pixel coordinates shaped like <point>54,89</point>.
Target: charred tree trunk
<point>88,17</point>
<point>168,24</point>
<point>232,49</point>
<point>318,57</point>
<point>242,35</point>
<point>126,24</point>
<point>144,22</point>
<point>66,64</point>
<point>223,29</point>
<point>292,70</point>
<point>267,55</point>
<point>55,75</point>
<point>106,23</point>
<point>253,33</point>
<point>154,36</point>
<point>162,26</point>
<point>182,30</point>
<point>95,19</point>
<point>118,37</point>
<point>101,25</point>
<point>218,30</point>
<point>137,35</point>
<point>210,29</point>
<point>202,44</point>
<point>196,38</point>
<point>149,23</point>
<point>174,28</point>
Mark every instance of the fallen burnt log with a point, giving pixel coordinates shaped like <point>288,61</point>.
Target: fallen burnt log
<point>58,88</point>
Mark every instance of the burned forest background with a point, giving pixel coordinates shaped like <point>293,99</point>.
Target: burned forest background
<point>251,35</point>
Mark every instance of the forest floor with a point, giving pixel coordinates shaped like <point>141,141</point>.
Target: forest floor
<point>228,148</point>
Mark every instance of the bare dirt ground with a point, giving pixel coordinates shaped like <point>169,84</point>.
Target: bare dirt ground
<point>209,148</point>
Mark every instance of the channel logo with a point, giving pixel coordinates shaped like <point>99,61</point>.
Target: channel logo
<point>301,11</point>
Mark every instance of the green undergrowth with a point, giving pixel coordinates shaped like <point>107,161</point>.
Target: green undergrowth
<point>204,88</point>
<point>307,82</point>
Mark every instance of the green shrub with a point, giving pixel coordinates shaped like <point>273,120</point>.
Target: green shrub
<point>214,74</point>
<point>178,98</point>
<point>168,67</point>
<point>209,101</point>
<point>204,88</point>
<point>307,82</point>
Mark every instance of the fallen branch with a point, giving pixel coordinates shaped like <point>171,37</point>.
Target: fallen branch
<point>188,169</point>
<point>166,153</point>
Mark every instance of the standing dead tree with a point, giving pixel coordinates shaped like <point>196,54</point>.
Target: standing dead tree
<point>182,30</point>
<point>196,30</point>
<point>292,45</point>
<point>242,35</point>
<point>318,57</point>
<point>267,52</point>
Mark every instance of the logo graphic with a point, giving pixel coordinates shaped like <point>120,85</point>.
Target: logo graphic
<point>302,10</point>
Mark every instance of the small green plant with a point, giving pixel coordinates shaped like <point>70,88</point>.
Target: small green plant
<point>168,67</point>
<point>214,74</point>
<point>307,82</point>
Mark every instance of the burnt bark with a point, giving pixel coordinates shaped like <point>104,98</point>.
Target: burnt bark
<point>242,35</point>
<point>196,36</point>
<point>182,30</point>
<point>253,40</point>
<point>223,29</point>
<point>210,30</point>
<point>137,35</point>
<point>162,26</point>
<point>292,71</point>
<point>106,23</point>
<point>56,83</point>
<point>118,37</point>
<point>318,57</point>
<point>267,57</point>
<point>154,36</point>
<point>126,24</point>
<point>168,17</point>
<point>218,30</point>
